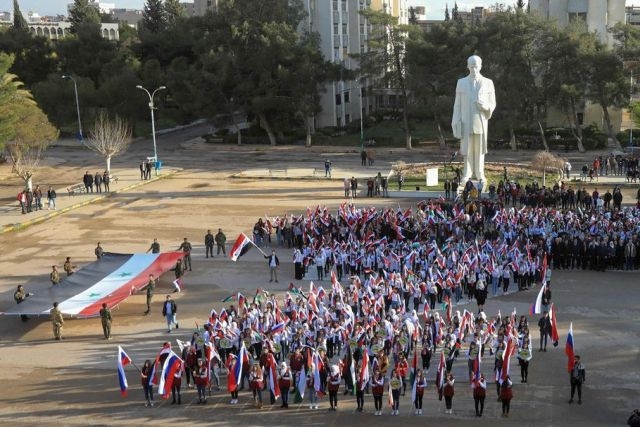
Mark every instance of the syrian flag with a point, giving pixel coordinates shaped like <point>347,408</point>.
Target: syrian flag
<point>536,307</point>
<point>390,396</point>
<point>476,364</point>
<point>273,380</point>
<point>240,247</point>
<point>555,338</point>
<point>364,371</point>
<point>172,365</point>
<point>568,348</point>
<point>123,360</point>
<point>440,376</point>
<point>316,374</point>
<point>506,359</point>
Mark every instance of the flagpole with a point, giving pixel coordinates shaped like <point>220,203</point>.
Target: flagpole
<point>258,248</point>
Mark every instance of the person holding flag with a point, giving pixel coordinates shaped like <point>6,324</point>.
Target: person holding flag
<point>448,392</point>
<point>479,393</point>
<point>545,330</point>
<point>202,380</point>
<point>377,389</point>
<point>284,382</point>
<point>524,356</point>
<point>256,383</point>
<point>232,379</point>
<point>333,384</point>
<point>395,386</point>
<point>419,384</point>
<point>506,394</point>
<point>402,367</point>
<point>578,377</point>
<point>145,380</point>
<point>311,389</point>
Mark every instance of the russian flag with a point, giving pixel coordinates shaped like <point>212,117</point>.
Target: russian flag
<point>243,357</point>
<point>240,247</point>
<point>172,365</point>
<point>568,348</point>
<point>536,307</point>
<point>123,360</point>
<point>506,359</point>
<point>277,329</point>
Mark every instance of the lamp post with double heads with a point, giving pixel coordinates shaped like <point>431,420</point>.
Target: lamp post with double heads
<point>153,121</point>
<point>75,88</point>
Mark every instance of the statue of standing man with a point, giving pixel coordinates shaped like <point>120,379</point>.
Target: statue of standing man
<point>474,104</point>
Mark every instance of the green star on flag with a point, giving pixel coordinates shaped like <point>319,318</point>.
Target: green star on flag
<point>93,295</point>
<point>123,274</point>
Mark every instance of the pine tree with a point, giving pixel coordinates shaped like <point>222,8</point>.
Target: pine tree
<point>19,22</point>
<point>153,16</point>
<point>520,4</point>
<point>82,13</point>
<point>413,17</point>
<point>446,13</point>
<point>454,13</point>
<point>173,10</point>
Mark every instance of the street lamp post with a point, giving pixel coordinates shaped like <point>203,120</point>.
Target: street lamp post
<point>75,88</point>
<point>153,121</point>
<point>361,114</point>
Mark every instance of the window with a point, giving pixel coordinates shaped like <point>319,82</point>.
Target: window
<point>335,5</point>
<point>335,28</point>
<point>347,119</point>
<point>347,97</point>
<point>344,28</point>
<point>338,99</point>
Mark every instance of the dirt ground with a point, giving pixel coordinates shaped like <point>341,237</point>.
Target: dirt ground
<point>74,382</point>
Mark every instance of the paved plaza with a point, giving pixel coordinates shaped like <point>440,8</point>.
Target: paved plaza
<point>204,186</point>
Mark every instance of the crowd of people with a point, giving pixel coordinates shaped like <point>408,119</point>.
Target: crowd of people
<point>403,272</point>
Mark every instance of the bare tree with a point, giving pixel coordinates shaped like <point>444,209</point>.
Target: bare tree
<point>31,139</point>
<point>109,138</point>
<point>545,161</point>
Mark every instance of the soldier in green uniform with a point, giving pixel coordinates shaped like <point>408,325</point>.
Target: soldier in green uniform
<point>55,275</point>
<point>57,321</point>
<point>155,247</point>
<point>151,286</point>
<point>185,246</point>
<point>19,296</point>
<point>105,318</point>
<point>221,239</point>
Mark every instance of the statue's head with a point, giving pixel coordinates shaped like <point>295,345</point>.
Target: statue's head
<point>474,64</point>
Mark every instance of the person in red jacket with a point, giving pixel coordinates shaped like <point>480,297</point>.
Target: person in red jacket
<point>421,384</point>
<point>284,382</point>
<point>377,389</point>
<point>232,385</point>
<point>506,394</point>
<point>402,367</point>
<point>202,380</point>
<point>333,384</point>
<point>256,383</point>
<point>479,394</point>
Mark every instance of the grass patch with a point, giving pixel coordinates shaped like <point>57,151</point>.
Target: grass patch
<point>387,133</point>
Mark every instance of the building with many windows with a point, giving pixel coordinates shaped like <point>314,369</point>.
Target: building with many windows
<point>58,30</point>
<point>344,32</point>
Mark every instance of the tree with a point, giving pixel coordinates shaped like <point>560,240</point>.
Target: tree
<point>454,12</point>
<point>385,60</point>
<point>31,139</point>
<point>12,97</point>
<point>413,17</point>
<point>173,10</point>
<point>82,14</point>
<point>19,23</point>
<point>520,4</point>
<point>608,86</point>
<point>544,161</point>
<point>109,138</point>
<point>153,16</point>
<point>446,13</point>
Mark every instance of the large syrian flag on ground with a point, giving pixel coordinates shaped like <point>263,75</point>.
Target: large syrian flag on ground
<point>111,280</point>
<point>240,247</point>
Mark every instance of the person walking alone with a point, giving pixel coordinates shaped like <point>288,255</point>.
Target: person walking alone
<point>105,319</point>
<point>169,311</point>
<point>273,262</point>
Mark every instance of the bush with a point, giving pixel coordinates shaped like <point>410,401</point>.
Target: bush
<point>222,132</point>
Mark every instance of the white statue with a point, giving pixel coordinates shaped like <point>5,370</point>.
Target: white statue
<point>475,102</point>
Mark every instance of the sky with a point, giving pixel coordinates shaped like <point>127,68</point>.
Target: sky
<point>435,8</point>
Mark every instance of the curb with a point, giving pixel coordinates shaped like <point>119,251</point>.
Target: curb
<point>22,225</point>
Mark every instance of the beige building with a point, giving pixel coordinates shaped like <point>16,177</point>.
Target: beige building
<point>343,32</point>
<point>597,15</point>
<point>58,30</point>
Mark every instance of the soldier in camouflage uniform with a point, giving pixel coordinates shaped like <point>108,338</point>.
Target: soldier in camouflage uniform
<point>57,321</point>
<point>105,318</point>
